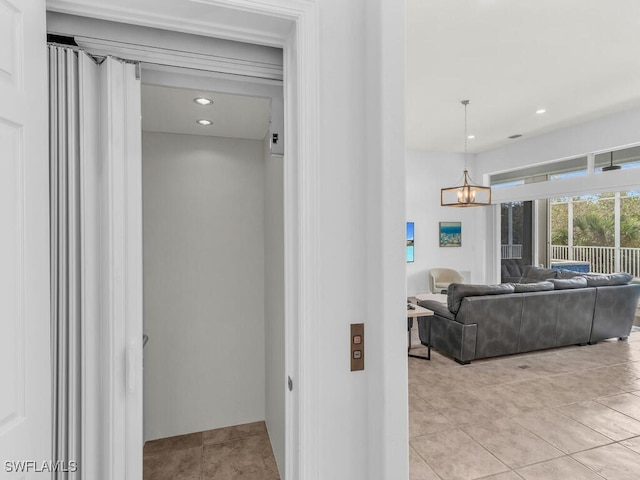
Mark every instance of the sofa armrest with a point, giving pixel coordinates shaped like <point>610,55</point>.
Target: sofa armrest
<point>437,308</point>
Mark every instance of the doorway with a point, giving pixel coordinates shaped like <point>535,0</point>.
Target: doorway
<point>517,238</point>
<point>301,276</point>
<point>212,235</point>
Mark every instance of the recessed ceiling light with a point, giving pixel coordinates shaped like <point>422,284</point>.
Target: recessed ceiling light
<point>540,111</point>
<point>203,101</point>
<point>471,137</point>
<point>205,122</point>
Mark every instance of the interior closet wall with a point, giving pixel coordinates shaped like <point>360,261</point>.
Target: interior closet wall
<point>274,301</point>
<point>203,227</point>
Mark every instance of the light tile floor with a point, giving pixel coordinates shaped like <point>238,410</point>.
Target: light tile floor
<point>570,413</point>
<point>232,453</point>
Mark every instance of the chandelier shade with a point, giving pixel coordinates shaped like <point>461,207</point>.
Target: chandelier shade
<point>466,193</point>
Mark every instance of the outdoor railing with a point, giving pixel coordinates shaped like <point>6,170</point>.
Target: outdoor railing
<point>630,261</point>
<point>602,259</point>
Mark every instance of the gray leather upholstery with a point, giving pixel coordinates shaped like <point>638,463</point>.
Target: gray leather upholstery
<point>457,291</point>
<point>441,309</point>
<point>615,311</point>
<point>561,273</point>
<point>575,316</point>
<point>595,280</point>
<point>598,280</point>
<point>487,325</point>
<point>568,283</point>
<point>533,287</point>
<point>532,274</point>
<point>511,270</point>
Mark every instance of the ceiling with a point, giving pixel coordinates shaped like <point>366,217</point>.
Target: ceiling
<point>578,59</point>
<point>172,110</point>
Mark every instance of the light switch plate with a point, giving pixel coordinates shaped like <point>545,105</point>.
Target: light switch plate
<point>357,349</point>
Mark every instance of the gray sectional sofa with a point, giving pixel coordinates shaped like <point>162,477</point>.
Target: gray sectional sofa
<point>547,308</point>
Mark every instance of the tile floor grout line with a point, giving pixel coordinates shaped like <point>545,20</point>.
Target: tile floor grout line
<point>621,384</point>
<point>569,418</point>
<point>202,461</point>
<point>425,461</point>
<point>613,440</point>
<point>591,428</point>
<point>589,468</point>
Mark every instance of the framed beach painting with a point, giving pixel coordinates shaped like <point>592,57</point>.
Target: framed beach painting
<point>409,242</point>
<point>450,234</point>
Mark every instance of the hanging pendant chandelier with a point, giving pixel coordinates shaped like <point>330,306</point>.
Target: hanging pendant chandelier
<point>466,194</point>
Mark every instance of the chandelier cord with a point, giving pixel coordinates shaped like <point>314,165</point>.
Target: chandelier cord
<point>466,136</point>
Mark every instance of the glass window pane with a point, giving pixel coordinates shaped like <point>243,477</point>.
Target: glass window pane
<point>625,158</point>
<point>559,222</point>
<point>594,220</point>
<point>515,230</point>
<point>630,232</point>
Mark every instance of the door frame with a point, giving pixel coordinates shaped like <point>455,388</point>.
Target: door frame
<point>301,206</point>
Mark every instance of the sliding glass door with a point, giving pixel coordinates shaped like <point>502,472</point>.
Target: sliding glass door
<point>516,232</point>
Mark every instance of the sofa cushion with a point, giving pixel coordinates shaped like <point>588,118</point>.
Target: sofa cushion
<point>511,269</point>
<point>601,280</point>
<point>457,291</point>
<point>594,280</point>
<point>620,279</point>
<point>532,274</point>
<point>533,287</point>
<point>568,283</point>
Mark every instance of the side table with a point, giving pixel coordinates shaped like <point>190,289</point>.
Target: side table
<point>418,312</point>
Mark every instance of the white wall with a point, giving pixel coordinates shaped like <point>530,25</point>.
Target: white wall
<point>427,173</point>
<point>601,134</point>
<point>203,223</point>
<point>362,415</point>
<point>274,302</point>
<point>384,175</point>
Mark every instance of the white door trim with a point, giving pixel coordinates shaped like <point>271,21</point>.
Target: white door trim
<point>301,65</point>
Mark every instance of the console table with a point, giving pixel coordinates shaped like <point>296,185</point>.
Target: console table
<point>418,312</point>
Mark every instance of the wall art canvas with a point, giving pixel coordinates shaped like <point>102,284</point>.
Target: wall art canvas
<point>450,234</point>
<point>409,242</point>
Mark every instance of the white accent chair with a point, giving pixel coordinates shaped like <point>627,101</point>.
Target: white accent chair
<point>440,278</point>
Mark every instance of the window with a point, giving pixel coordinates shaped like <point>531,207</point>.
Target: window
<point>602,230</point>
<point>624,158</point>
<point>573,167</point>
<point>541,173</point>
